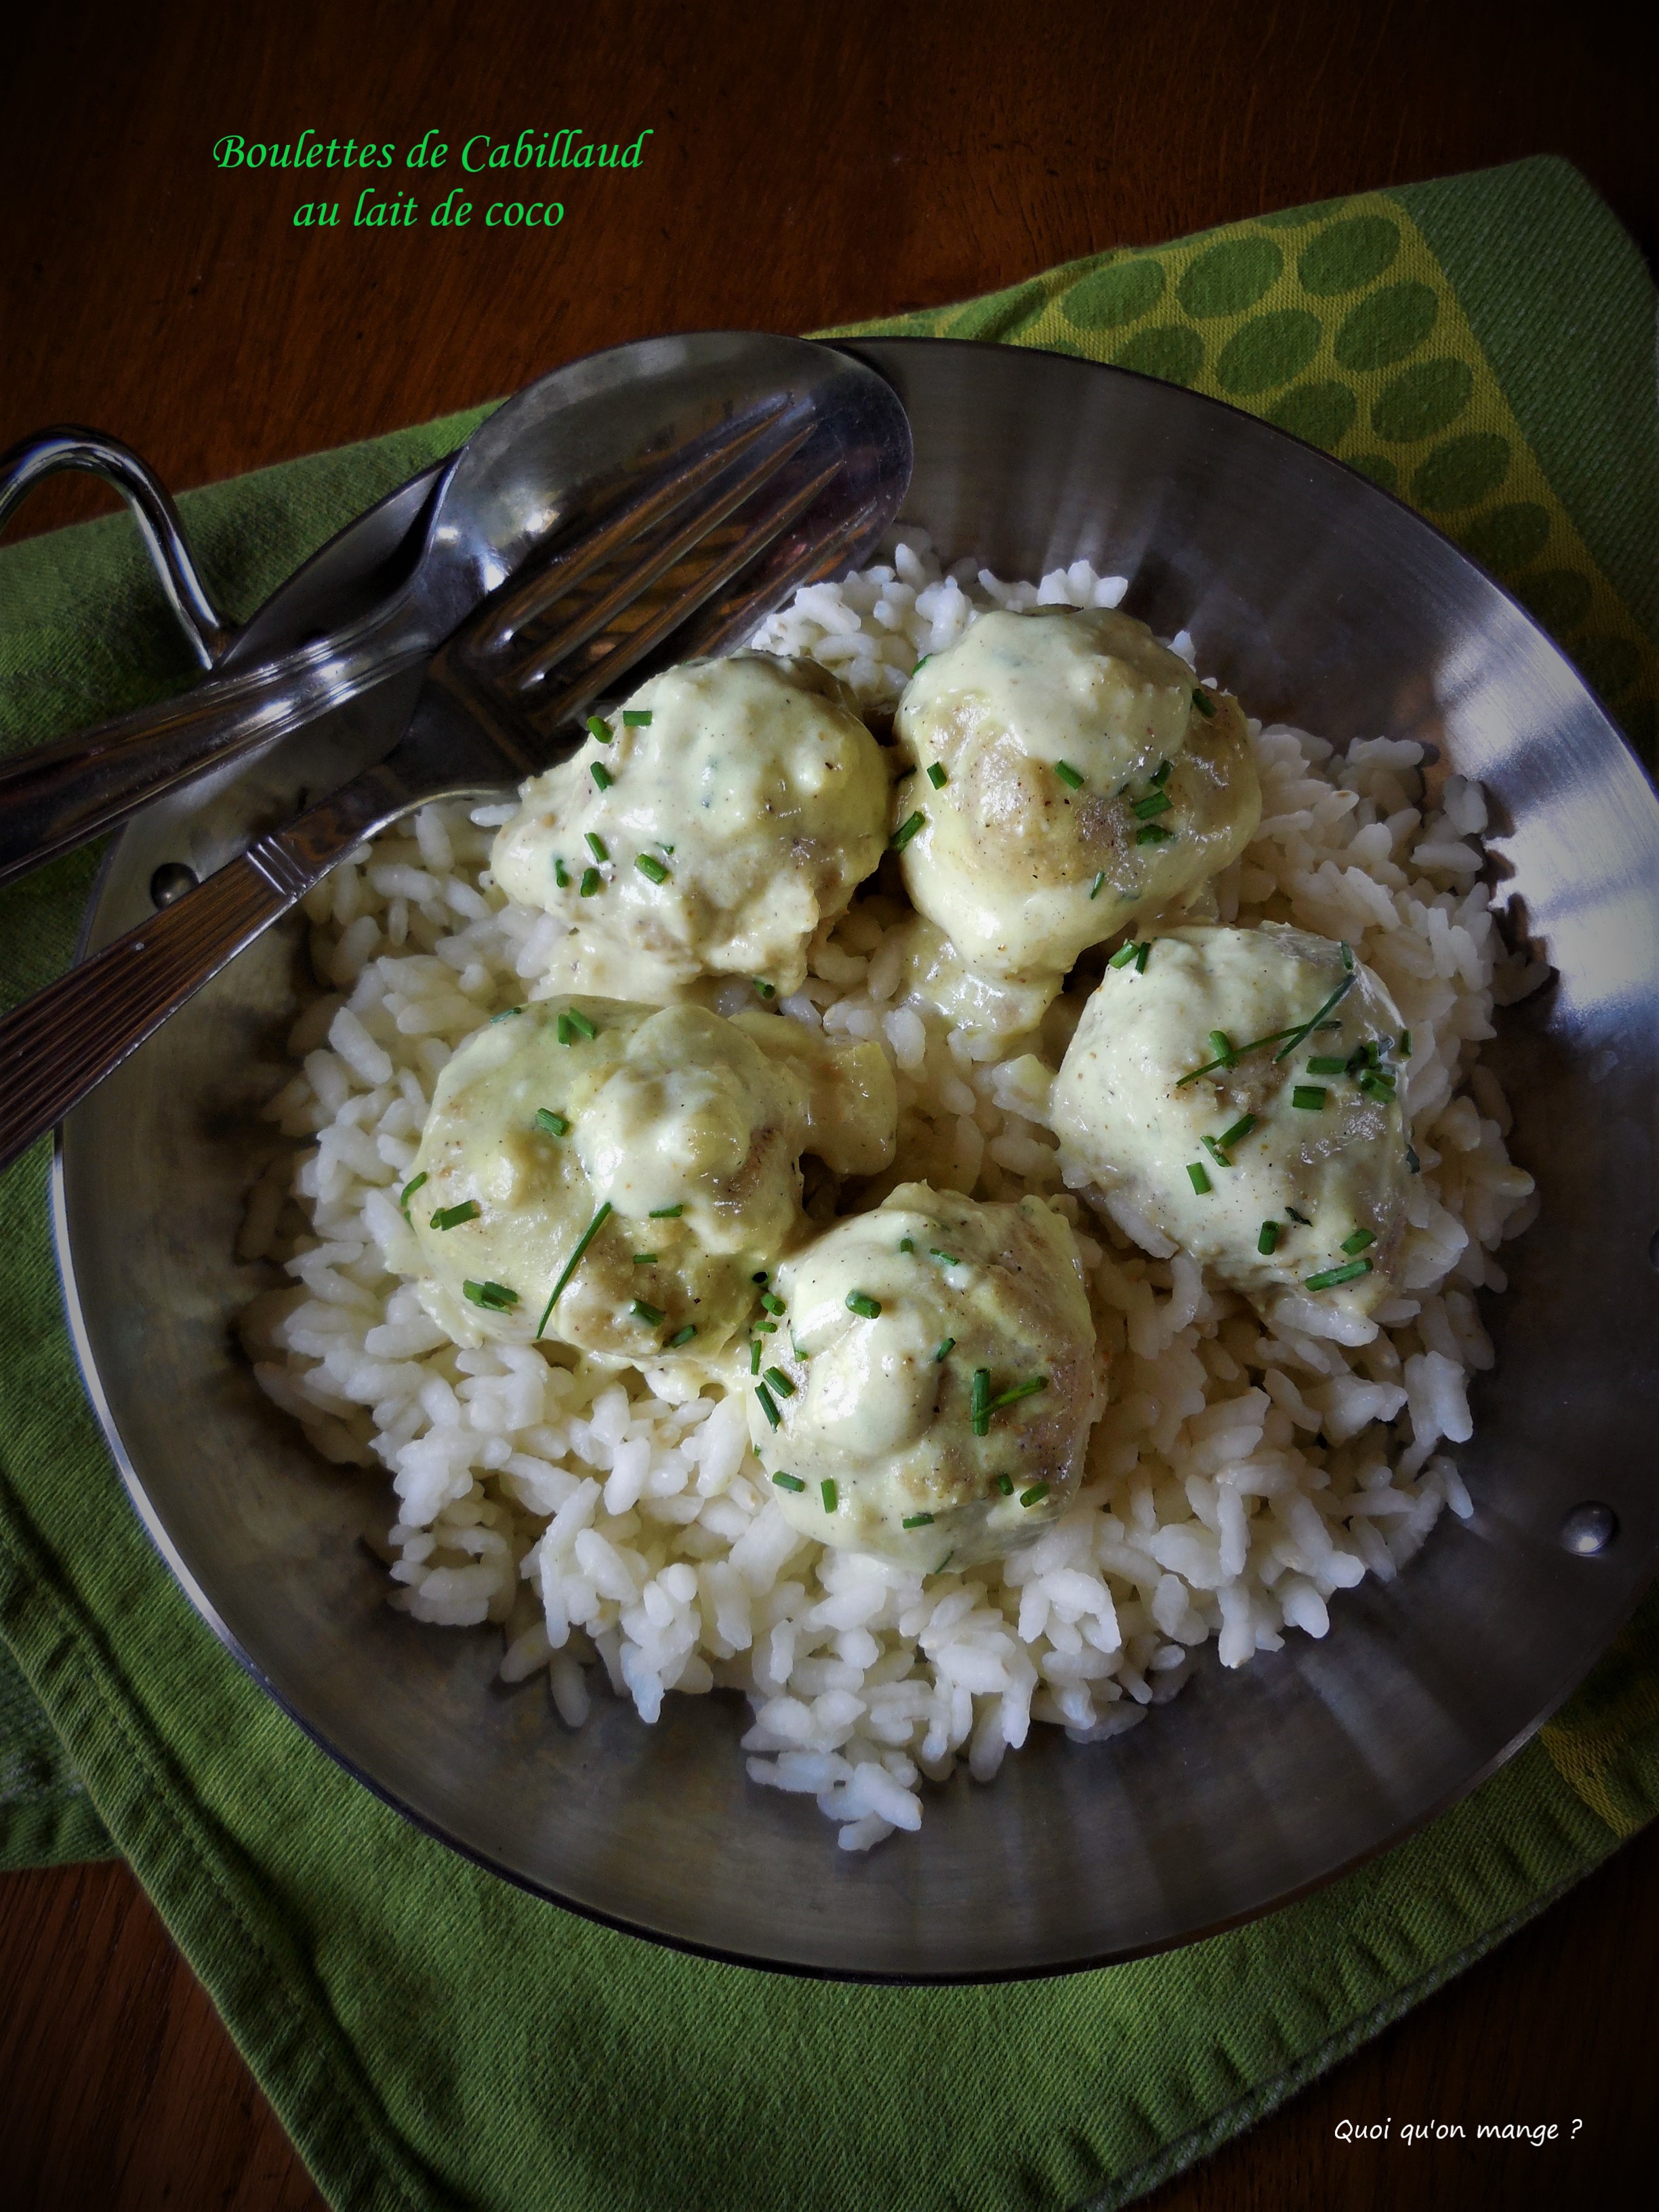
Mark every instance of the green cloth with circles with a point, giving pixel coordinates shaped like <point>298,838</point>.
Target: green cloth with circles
<point>433,2037</point>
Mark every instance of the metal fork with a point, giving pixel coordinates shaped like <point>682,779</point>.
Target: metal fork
<point>492,694</point>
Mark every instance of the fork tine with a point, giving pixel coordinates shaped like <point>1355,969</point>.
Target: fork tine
<point>528,668</point>
<point>727,625</point>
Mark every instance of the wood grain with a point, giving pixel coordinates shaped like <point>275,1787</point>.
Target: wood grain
<point>806,166</point>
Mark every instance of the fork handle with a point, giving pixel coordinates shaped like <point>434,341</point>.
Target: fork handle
<point>60,1044</point>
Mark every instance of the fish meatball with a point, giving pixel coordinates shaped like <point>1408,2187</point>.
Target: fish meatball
<point>731,807</point>
<point>1071,775</point>
<point>613,1176</point>
<point>1241,1092</point>
<point>929,1389</point>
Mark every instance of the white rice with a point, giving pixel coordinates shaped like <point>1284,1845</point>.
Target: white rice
<point>598,1525</point>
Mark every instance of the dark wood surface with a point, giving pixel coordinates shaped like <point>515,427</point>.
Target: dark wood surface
<point>808,164</point>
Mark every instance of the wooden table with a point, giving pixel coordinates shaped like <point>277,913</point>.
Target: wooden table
<point>806,166</point>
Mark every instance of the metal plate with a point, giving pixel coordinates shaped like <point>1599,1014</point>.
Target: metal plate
<point>1315,597</point>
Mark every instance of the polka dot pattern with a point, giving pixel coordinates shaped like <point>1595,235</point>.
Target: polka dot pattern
<point>1337,324</point>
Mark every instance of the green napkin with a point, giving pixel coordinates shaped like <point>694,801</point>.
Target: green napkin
<point>431,2036</point>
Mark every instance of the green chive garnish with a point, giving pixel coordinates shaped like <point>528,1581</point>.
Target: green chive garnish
<point>1268,1238</point>
<point>1347,955</point>
<point>1199,1178</point>
<point>907,1244</point>
<point>754,1356</point>
<point>1377,1085</point>
<point>775,1305</point>
<point>1026,1390</point>
<point>1068,776</point>
<point>917,1521</point>
<point>591,882</point>
<point>1143,954</point>
<point>504,1015</point>
<point>1125,953</point>
<point>1161,774</point>
<point>1310,1097</point>
<point>780,1381</point>
<point>1237,1133</point>
<point>767,990</point>
<point>1205,705</point>
<point>636,718</point>
<point>1404,1044</point>
<point>649,1314</point>
<point>564,1029</point>
<point>450,1217</point>
<point>1360,1240</point>
<point>766,1328</point>
<point>788,1481</point>
<point>906,830</point>
<point>860,1303</point>
<point>573,1262</point>
<point>979,1402</point>
<point>601,775</point>
<point>922,664</point>
<point>596,845</point>
<point>494,1297</point>
<point>578,1022</point>
<point>1214,1149</point>
<point>941,1350</point>
<point>1150,834</point>
<point>651,868</point>
<point>829,1493</point>
<point>1239,1050</point>
<point>598,731</point>
<point>561,874</point>
<point>935,775</point>
<point>769,1408</point>
<point>409,1191</point>
<point>681,1336</point>
<point>1155,802</point>
<point>1098,885</point>
<point>1225,1056</point>
<point>950,1258</point>
<point>1324,1064</point>
<point>1006,1485</point>
<point>1297,1036</point>
<point>667,1213</point>
<point>1031,1497</point>
<point>1334,1275</point>
<point>555,1124</point>
<point>645,1259</point>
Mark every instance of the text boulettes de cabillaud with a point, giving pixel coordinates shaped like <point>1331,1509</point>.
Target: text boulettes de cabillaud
<point>375,209</point>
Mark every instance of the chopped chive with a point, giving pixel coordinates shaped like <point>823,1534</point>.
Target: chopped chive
<point>578,1022</point>
<point>650,868</point>
<point>907,1244</point>
<point>1199,1178</point>
<point>561,874</point>
<point>1310,1097</point>
<point>780,1381</point>
<point>935,775</point>
<point>829,1493</point>
<point>906,830</point>
<point>645,1259</point>
<point>564,1029</point>
<point>555,1125</point>
<point>1099,884</point>
<point>788,1481</point>
<point>766,1328</point>
<point>1150,834</point>
<point>1236,1134</point>
<point>979,1402</point>
<point>504,1015</point>
<point>1347,955</point>
<point>636,718</point>
<point>860,1303</point>
<point>945,1562</point>
<point>1377,1085</point>
<point>1404,1044</point>
<point>917,1521</point>
<point>681,1336</point>
<point>1268,1238</point>
<point>1034,1496</point>
<point>1125,953</point>
<point>768,1407</point>
<point>767,990</point>
<point>409,1191</point>
<point>1143,954</point>
<point>1332,1276</point>
<point>1205,705</point>
<point>667,1213</point>
<point>573,1262</point>
<point>1212,1147</point>
<point>494,1297</point>
<point>1324,1064</point>
<point>1068,776</point>
<point>1155,802</point>
<point>934,1252</point>
<point>922,664</point>
<point>941,1349</point>
<point>1006,1485</point>
<point>591,882</point>
<point>773,1303</point>
<point>650,1315</point>
<point>1360,1240</point>
<point>1296,1036</point>
<point>1029,1388</point>
<point>596,845</point>
<point>598,730</point>
<point>450,1217</point>
<point>754,1355</point>
<point>1414,1164</point>
<point>601,775</point>
<point>1254,1045</point>
<point>1304,1218</point>
<point>1220,1045</point>
<point>1161,773</point>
